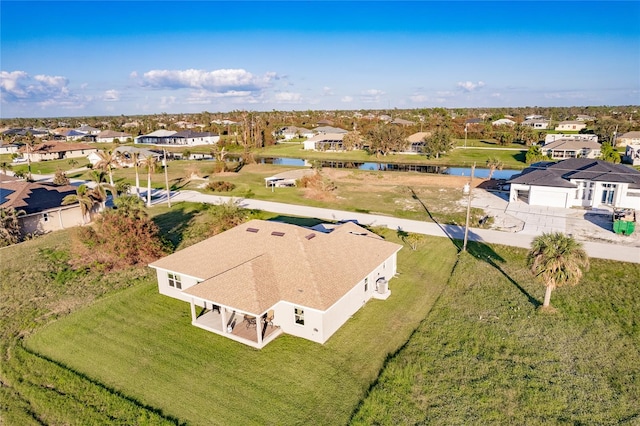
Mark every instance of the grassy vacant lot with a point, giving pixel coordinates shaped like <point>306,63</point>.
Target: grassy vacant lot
<point>485,355</point>
<point>127,355</point>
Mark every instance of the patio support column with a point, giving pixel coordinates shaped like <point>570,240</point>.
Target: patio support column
<point>259,329</point>
<point>223,311</point>
<point>193,311</point>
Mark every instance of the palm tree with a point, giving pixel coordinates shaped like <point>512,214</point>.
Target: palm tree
<point>150,163</point>
<point>558,259</point>
<point>135,157</point>
<point>106,162</point>
<point>494,163</point>
<point>9,226</point>
<point>4,166</point>
<point>83,196</point>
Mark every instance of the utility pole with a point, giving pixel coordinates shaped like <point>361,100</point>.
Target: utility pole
<point>166,177</point>
<point>465,134</point>
<point>466,226</point>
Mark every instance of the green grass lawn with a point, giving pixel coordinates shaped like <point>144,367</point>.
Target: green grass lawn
<point>486,355</point>
<point>136,353</point>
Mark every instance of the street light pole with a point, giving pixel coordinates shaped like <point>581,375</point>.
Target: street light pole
<point>166,177</point>
<point>466,226</point>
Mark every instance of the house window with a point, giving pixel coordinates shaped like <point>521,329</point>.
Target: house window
<point>174,280</point>
<point>608,193</point>
<point>45,217</point>
<point>366,284</point>
<point>299,315</point>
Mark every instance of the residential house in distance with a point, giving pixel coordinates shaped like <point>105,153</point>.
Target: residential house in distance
<point>292,132</point>
<point>629,138</point>
<point>402,122</point>
<point>54,150</point>
<point>572,148</point>
<point>263,278</point>
<point>182,138</point>
<point>325,142</point>
<point>329,129</point>
<point>416,142</point>
<point>557,136</point>
<point>110,136</point>
<point>42,204</point>
<point>584,117</point>
<point>8,148</point>
<point>577,182</point>
<point>571,126</point>
<point>503,122</point>
<point>632,155</point>
<point>87,130</point>
<point>538,123</point>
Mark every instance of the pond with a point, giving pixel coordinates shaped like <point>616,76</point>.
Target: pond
<point>480,172</point>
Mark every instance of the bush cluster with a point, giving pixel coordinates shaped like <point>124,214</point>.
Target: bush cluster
<point>221,186</point>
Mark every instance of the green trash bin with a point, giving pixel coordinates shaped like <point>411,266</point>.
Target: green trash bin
<point>624,227</point>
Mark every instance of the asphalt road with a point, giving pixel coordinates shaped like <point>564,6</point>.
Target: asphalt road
<point>597,250</point>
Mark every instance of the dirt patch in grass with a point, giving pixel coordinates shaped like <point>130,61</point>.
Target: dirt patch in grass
<point>398,179</point>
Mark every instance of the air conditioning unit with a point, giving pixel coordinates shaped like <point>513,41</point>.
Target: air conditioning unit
<point>382,286</point>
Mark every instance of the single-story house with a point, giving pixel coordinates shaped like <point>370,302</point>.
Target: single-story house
<point>54,150</point>
<point>292,132</point>
<point>42,204</point>
<point>325,142</point>
<point>584,117</point>
<point>629,138</point>
<point>125,159</point>
<point>572,148</point>
<point>402,122</point>
<point>416,141</point>
<point>182,138</point>
<point>632,155</point>
<point>264,278</point>
<point>577,182</point>
<point>503,122</point>
<point>538,123</point>
<point>571,125</point>
<point>8,148</point>
<point>329,129</point>
<point>36,133</point>
<point>88,130</point>
<point>109,136</point>
<point>472,121</point>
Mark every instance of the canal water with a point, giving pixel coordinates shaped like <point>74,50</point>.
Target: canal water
<point>480,172</point>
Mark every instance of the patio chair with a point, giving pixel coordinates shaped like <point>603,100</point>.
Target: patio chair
<point>268,320</point>
<point>251,321</point>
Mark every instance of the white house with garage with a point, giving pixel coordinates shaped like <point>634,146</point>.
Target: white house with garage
<point>261,279</point>
<point>577,182</point>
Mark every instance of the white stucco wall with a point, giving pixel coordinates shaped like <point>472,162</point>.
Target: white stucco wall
<point>167,290</point>
<point>284,316</point>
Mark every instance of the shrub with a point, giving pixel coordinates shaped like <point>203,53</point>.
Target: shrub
<point>221,186</point>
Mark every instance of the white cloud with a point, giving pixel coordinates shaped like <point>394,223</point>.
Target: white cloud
<point>111,96</point>
<point>167,101</point>
<point>496,95</point>
<point>371,95</point>
<point>43,90</point>
<point>469,86</point>
<point>134,74</point>
<point>222,80</point>
<point>326,91</point>
<point>418,98</point>
<point>347,99</point>
<point>288,98</point>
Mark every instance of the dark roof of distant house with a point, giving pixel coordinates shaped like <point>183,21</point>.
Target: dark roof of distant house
<point>474,121</point>
<point>55,146</point>
<point>33,197</point>
<point>23,132</point>
<point>559,174</point>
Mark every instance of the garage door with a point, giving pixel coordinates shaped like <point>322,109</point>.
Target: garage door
<point>547,198</point>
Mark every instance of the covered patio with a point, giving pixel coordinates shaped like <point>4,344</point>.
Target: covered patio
<point>253,330</point>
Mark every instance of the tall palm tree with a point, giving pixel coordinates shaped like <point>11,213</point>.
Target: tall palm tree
<point>150,164</point>
<point>106,162</point>
<point>135,157</point>
<point>558,260</point>
<point>83,196</point>
<point>9,225</point>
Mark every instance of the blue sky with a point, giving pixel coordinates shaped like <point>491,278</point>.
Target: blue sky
<point>110,58</point>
